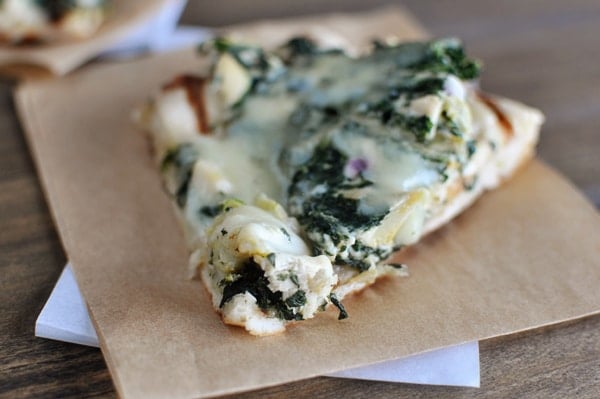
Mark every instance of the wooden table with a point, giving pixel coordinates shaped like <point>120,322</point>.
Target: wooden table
<point>545,53</point>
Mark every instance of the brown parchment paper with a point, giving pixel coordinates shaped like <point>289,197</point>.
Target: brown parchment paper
<point>524,256</point>
<point>63,56</point>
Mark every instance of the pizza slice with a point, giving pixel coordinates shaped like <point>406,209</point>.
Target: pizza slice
<point>39,21</point>
<point>297,172</point>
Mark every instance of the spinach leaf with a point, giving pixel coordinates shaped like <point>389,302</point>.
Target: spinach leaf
<point>419,126</point>
<point>448,56</point>
<point>251,279</point>
<point>296,299</point>
<point>211,211</point>
<point>336,302</point>
<point>182,158</point>
<point>328,206</point>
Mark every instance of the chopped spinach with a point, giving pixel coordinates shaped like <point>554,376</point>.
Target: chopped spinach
<point>449,124</point>
<point>359,255</point>
<point>250,57</point>
<point>339,208</point>
<point>294,279</point>
<point>251,279</point>
<point>336,302</point>
<point>319,204</point>
<point>413,88</point>
<point>182,158</point>
<point>271,258</point>
<point>179,156</point>
<point>221,44</point>
<point>326,208</point>
<point>419,126</point>
<point>211,211</point>
<point>402,55</point>
<point>358,263</point>
<point>182,190</point>
<point>289,275</point>
<point>471,148</point>
<point>297,299</point>
<point>285,233</point>
<point>437,56</point>
<point>301,46</point>
<point>303,49</point>
<point>448,56</point>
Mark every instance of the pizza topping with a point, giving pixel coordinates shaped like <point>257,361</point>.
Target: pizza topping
<point>182,159</point>
<point>28,21</point>
<point>336,302</point>
<point>363,153</point>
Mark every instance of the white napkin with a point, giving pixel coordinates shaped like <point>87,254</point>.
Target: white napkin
<point>65,316</point>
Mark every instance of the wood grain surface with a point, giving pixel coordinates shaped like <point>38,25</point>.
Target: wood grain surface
<point>544,53</point>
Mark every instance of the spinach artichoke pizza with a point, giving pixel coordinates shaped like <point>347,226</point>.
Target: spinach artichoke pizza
<point>297,172</point>
<point>39,21</point>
